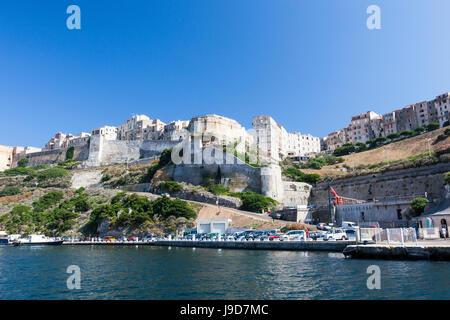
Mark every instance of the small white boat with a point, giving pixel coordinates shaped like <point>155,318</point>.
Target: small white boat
<point>37,239</point>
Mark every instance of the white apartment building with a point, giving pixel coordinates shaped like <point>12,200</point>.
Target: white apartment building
<point>107,132</point>
<point>6,154</point>
<point>275,143</point>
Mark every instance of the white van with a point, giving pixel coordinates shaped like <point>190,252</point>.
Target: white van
<point>349,225</point>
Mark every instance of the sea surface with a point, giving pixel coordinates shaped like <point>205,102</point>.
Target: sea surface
<point>184,273</point>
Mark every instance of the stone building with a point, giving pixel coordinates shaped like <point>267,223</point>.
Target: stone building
<point>406,118</point>
<point>275,143</point>
<point>335,139</point>
<point>155,130</point>
<point>79,140</point>
<point>442,107</point>
<point>107,132</point>
<point>219,131</point>
<point>369,125</point>
<point>5,157</point>
<point>361,128</point>
<point>133,128</point>
<point>56,142</point>
<point>175,130</point>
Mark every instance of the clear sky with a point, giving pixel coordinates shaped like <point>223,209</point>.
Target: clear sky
<point>308,64</point>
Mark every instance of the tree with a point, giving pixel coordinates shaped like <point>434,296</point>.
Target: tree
<point>69,153</point>
<point>418,206</point>
<point>381,140</point>
<point>393,136</point>
<point>432,126</point>
<point>22,163</point>
<point>406,133</point>
<point>420,129</point>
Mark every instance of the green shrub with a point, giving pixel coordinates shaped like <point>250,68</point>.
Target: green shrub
<point>106,177</point>
<point>218,189</point>
<point>70,153</point>
<point>420,129</point>
<point>170,186</point>
<point>68,164</point>
<point>51,173</point>
<point>254,202</point>
<point>164,159</point>
<point>300,176</point>
<point>47,200</point>
<point>18,171</point>
<point>10,191</point>
<point>406,133</point>
<point>393,136</point>
<point>447,178</point>
<point>22,163</point>
<point>136,210</point>
<point>432,126</point>
<point>418,206</point>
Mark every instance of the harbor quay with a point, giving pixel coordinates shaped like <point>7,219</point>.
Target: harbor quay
<point>422,250</point>
<point>331,246</point>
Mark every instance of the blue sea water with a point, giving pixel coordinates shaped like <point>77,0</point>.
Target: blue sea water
<point>184,273</point>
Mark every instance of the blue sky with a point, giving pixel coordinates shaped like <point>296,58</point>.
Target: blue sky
<point>308,64</point>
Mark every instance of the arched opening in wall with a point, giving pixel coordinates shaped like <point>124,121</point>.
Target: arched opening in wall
<point>444,228</point>
<point>362,216</point>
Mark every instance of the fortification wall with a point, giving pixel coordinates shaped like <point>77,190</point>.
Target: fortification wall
<point>296,193</point>
<point>239,177</point>
<point>387,186</point>
<point>104,152</point>
<point>389,194</point>
<point>81,153</point>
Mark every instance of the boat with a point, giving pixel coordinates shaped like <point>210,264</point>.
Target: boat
<point>4,239</point>
<point>37,239</point>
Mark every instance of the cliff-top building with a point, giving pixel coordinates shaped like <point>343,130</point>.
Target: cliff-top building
<point>369,125</point>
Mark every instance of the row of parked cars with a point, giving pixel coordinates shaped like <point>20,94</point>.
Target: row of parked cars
<point>112,239</point>
<point>260,235</point>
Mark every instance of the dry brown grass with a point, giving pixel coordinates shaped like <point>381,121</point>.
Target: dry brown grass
<point>393,151</point>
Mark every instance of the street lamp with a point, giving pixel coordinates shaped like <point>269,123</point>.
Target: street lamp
<point>429,148</point>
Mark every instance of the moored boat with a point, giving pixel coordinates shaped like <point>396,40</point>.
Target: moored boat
<point>37,239</point>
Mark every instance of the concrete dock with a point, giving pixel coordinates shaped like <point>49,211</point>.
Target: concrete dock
<point>430,250</point>
<point>332,246</point>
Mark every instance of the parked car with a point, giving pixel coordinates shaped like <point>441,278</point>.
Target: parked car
<point>109,239</point>
<point>294,235</point>
<point>349,225</point>
<point>336,234</point>
<point>132,239</point>
<point>323,226</point>
<point>274,236</point>
<point>211,236</point>
<point>149,237</point>
<point>317,235</point>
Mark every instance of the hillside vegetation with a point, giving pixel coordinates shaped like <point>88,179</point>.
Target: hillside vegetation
<point>410,150</point>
